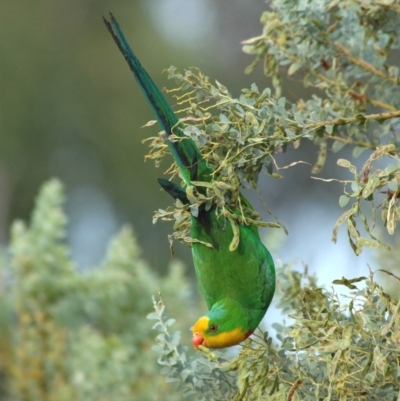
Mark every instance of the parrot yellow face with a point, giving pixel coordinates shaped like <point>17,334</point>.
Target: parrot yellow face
<point>210,334</point>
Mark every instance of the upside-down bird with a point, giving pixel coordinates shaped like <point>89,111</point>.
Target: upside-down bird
<point>237,282</point>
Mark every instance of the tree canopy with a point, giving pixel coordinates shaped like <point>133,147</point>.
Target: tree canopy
<point>71,336</point>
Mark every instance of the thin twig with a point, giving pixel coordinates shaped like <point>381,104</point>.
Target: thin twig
<point>363,64</point>
<point>379,103</point>
<point>295,386</point>
<point>356,118</point>
<point>349,141</point>
<point>388,6</point>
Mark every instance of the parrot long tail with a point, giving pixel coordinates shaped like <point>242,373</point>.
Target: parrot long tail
<point>191,164</point>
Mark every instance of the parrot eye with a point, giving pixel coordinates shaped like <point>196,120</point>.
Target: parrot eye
<point>213,328</point>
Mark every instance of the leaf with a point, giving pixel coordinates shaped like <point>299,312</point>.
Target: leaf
<point>149,123</point>
<point>352,229</point>
<point>346,164</point>
<point>379,360</point>
<point>337,146</point>
<point>361,242</point>
<point>342,219</point>
<point>329,129</point>
<point>367,365</point>
<point>170,322</point>
<point>321,158</point>
<point>358,150</point>
<point>372,184</point>
<point>329,348</point>
<point>222,88</point>
<point>389,273</point>
<point>152,316</point>
<point>349,282</point>
<point>333,365</point>
<point>393,185</point>
<point>294,67</point>
<point>344,200</point>
<point>236,236</point>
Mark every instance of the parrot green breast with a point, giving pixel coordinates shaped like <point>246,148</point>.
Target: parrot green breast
<point>246,275</point>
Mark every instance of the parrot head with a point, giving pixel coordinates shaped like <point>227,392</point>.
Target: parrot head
<point>225,325</point>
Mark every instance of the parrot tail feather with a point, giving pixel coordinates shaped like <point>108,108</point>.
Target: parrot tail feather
<point>191,164</point>
<point>174,190</point>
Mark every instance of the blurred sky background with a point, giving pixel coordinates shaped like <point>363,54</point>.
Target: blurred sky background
<point>69,108</point>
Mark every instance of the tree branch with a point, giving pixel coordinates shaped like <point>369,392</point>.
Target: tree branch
<point>363,64</point>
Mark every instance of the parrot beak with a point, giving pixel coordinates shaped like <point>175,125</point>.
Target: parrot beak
<point>197,340</point>
<point>198,330</point>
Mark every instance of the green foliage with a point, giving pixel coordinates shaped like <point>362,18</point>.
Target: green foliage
<point>333,349</point>
<point>341,50</point>
<point>73,336</point>
<point>198,375</point>
<point>84,337</point>
<point>369,182</point>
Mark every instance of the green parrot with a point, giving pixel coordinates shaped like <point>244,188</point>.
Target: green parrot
<point>237,282</point>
